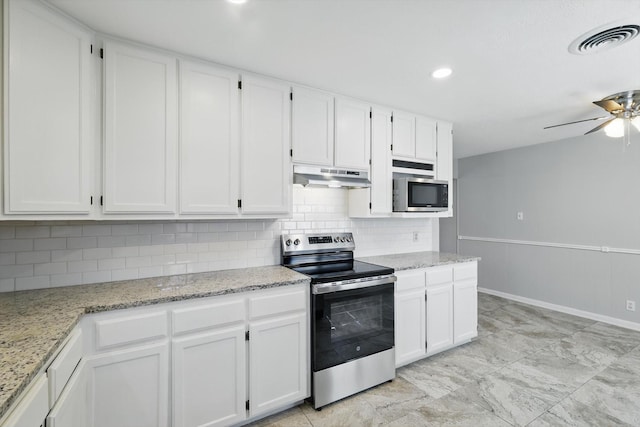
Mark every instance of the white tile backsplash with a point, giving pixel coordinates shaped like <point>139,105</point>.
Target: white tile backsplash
<point>51,254</point>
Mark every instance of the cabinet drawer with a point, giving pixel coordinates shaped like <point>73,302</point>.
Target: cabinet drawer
<point>410,280</point>
<point>33,408</point>
<point>207,316</point>
<point>438,275</point>
<point>63,366</point>
<point>467,270</point>
<point>281,302</point>
<point>129,330</point>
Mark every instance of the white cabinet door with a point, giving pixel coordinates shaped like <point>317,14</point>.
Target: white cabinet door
<point>277,362</point>
<point>444,163</point>
<point>381,177</point>
<point>209,378</point>
<point>130,388</point>
<point>465,310</point>
<point>410,326</point>
<point>72,408</point>
<point>439,315</point>
<point>353,134</point>
<point>48,145</point>
<point>312,126</point>
<point>140,130</point>
<point>404,134</point>
<point>426,135</point>
<point>32,409</point>
<point>209,139</point>
<point>266,166</point>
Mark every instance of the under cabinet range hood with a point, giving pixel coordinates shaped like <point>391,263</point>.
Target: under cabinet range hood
<point>324,176</point>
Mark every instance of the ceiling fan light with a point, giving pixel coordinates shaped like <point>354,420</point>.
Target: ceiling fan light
<point>636,123</point>
<point>615,129</point>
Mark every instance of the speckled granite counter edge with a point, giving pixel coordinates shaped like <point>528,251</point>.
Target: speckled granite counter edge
<point>186,279</point>
<point>416,260</point>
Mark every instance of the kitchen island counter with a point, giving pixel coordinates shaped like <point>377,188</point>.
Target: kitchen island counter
<point>34,324</point>
<point>414,260</point>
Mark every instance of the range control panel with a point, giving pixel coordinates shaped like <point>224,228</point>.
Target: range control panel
<point>301,243</point>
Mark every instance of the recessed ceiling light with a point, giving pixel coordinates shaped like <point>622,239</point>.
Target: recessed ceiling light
<point>237,1</point>
<point>441,73</point>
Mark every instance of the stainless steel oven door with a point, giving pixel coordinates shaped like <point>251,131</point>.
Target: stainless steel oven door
<point>352,323</point>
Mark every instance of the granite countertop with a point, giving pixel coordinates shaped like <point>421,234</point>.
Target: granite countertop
<point>413,260</point>
<point>33,324</point>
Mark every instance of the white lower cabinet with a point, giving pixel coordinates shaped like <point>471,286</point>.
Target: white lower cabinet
<point>436,309</point>
<point>32,409</point>
<point>439,317</point>
<point>278,363</point>
<point>215,361</point>
<point>465,302</point>
<point>72,408</point>
<point>209,378</point>
<point>130,387</point>
<point>410,316</point>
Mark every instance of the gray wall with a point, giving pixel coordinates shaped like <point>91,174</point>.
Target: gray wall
<point>449,226</point>
<point>579,191</point>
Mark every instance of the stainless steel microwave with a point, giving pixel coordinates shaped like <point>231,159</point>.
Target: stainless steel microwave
<point>420,195</point>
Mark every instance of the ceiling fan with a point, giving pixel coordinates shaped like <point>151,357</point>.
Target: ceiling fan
<point>623,109</point>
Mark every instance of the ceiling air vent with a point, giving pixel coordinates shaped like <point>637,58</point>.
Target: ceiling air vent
<point>603,38</point>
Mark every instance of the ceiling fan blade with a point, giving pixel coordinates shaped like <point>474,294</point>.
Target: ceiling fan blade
<point>577,121</point>
<point>609,105</point>
<point>600,126</point>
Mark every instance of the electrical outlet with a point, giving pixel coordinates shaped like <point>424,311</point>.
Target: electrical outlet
<point>520,216</point>
<point>415,236</point>
<point>631,305</point>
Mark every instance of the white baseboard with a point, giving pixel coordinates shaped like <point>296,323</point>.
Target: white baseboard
<point>564,309</point>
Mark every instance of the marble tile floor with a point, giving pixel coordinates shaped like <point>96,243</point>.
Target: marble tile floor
<point>529,366</point>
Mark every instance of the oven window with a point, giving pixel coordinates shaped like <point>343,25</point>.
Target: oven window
<point>350,319</point>
<point>348,325</point>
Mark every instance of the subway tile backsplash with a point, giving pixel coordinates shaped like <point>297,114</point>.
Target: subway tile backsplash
<point>50,254</point>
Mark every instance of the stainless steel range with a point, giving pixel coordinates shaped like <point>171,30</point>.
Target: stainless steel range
<point>352,336</point>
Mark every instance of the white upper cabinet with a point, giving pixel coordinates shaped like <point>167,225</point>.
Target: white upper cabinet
<point>209,139</point>
<point>426,134</point>
<point>404,134</point>
<point>444,165</point>
<point>381,178</point>
<point>353,134</point>
<point>414,137</point>
<point>48,144</point>
<point>140,132</point>
<point>312,126</point>
<point>265,140</point>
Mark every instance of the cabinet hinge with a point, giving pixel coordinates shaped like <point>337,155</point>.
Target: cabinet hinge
<point>101,53</point>
<point>291,152</point>
<point>246,336</point>
<point>371,114</point>
<point>101,200</point>
<point>91,49</point>
<point>291,96</point>
<point>392,119</point>
<point>391,147</point>
<point>91,200</point>
<point>369,205</point>
<point>239,203</point>
<point>369,161</point>
<point>246,405</point>
<point>239,84</point>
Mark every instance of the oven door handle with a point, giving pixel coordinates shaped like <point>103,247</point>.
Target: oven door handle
<point>347,285</point>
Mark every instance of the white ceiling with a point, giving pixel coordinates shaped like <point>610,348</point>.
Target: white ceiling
<point>512,74</point>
